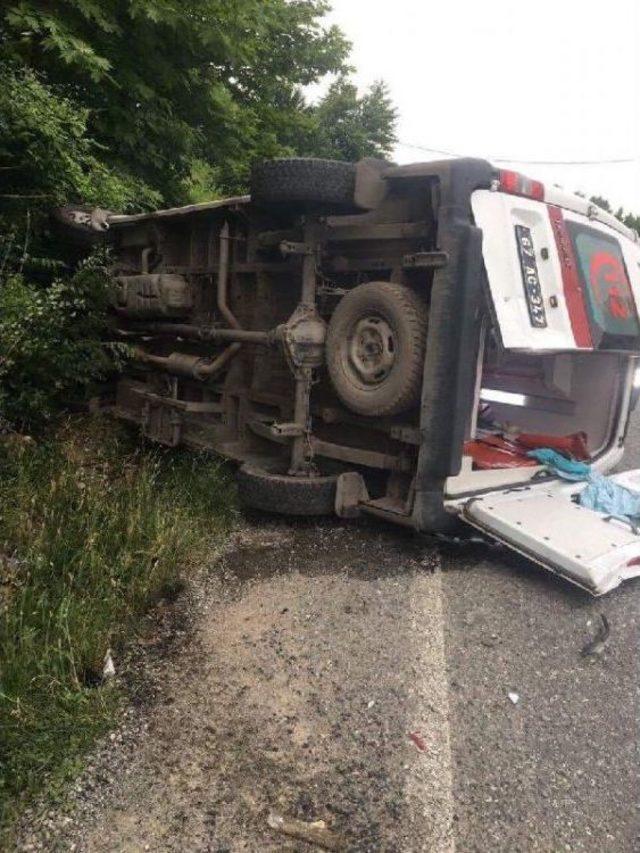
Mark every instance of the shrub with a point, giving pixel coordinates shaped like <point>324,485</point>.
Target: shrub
<point>52,343</point>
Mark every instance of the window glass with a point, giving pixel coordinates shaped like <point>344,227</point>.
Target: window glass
<point>605,282</point>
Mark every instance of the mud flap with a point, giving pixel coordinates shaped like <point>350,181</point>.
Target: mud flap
<point>351,491</point>
<point>161,424</point>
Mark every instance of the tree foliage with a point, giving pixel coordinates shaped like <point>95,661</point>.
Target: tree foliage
<point>177,94</point>
<point>629,219</point>
<point>348,126</point>
<point>48,159</point>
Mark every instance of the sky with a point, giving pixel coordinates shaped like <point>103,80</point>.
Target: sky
<point>543,80</point>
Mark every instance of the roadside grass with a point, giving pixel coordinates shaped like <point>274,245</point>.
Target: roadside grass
<point>94,529</point>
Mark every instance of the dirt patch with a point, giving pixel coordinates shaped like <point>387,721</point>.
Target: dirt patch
<point>313,686</point>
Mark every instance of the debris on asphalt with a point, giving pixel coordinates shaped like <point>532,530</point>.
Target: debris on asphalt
<point>470,541</point>
<point>513,696</point>
<point>596,646</point>
<point>419,741</point>
<point>315,832</point>
<point>109,669</point>
<point>491,642</point>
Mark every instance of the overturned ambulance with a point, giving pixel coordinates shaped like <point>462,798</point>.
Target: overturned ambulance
<point>393,340</point>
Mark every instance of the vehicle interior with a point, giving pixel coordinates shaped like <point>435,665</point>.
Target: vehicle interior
<point>523,401</point>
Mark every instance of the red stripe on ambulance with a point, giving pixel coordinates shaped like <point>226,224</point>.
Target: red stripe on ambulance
<point>573,294</point>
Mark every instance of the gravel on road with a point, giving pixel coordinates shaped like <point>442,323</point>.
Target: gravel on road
<point>413,699</point>
<point>314,687</point>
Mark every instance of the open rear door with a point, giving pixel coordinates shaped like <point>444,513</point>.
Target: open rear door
<point>543,522</point>
<point>563,278</point>
<point>562,274</point>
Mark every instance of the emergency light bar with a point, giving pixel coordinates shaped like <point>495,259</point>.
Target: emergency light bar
<point>517,184</point>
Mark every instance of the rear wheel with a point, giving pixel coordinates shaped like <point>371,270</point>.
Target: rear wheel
<point>375,348</point>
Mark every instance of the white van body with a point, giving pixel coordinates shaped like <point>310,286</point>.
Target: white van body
<point>357,336</point>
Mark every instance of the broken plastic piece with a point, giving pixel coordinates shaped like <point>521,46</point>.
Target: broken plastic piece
<point>493,451</point>
<point>574,445</point>
<point>313,833</point>
<point>596,646</point>
<point>109,669</point>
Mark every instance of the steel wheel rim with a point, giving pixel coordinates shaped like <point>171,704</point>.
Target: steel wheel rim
<point>371,350</point>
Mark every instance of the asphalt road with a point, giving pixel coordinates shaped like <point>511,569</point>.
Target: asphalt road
<point>559,770</point>
<point>351,673</point>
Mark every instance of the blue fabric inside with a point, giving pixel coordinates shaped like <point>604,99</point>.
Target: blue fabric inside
<point>601,493</point>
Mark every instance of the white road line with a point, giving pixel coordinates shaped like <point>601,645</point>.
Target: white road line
<point>430,780</point>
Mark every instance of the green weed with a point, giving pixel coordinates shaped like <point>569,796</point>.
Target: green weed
<point>93,529</point>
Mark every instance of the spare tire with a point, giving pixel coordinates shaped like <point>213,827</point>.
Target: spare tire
<point>305,183</point>
<point>375,348</point>
<point>284,494</point>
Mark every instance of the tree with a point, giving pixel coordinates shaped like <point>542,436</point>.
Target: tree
<point>47,159</point>
<point>45,150</point>
<point>174,91</point>
<point>629,219</point>
<point>348,126</point>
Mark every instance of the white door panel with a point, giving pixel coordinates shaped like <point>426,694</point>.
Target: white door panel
<point>498,215</point>
<point>542,521</point>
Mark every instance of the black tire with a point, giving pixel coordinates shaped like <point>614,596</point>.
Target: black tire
<point>391,321</point>
<point>305,183</point>
<point>286,495</point>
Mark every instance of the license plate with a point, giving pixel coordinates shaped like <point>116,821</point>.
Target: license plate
<point>530,278</point>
